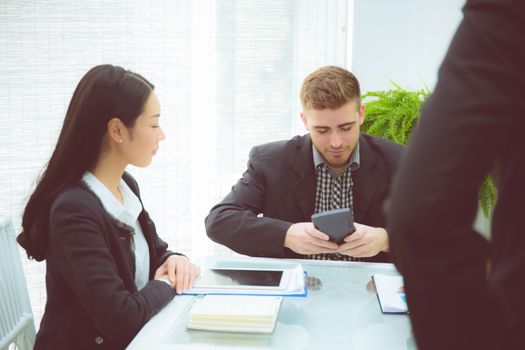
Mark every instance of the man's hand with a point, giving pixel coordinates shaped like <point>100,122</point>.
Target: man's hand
<point>179,271</point>
<point>366,241</point>
<point>304,238</point>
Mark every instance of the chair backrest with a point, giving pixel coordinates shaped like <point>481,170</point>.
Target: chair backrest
<point>16,319</point>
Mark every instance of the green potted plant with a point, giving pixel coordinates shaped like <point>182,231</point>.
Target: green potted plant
<point>393,115</point>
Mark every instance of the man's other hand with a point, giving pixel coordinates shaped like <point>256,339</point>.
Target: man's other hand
<point>366,241</point>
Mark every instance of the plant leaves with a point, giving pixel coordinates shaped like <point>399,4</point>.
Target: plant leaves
<point>394,114</point>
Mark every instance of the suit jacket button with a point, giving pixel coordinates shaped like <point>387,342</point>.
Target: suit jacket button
<point>99,340</point>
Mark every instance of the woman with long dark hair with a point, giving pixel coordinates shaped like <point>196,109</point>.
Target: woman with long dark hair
<point>107,271</point>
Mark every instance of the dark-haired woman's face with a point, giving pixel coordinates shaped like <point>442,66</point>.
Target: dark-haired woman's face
<point>145,135</point>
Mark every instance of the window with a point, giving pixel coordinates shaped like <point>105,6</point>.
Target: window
<point>227,74</point>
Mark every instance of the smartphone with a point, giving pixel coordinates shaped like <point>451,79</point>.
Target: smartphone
<point>337,223</point>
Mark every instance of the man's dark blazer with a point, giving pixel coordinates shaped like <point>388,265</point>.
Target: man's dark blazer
<point>92,299</point>
<point>280,185</point>
<point>472,125</point>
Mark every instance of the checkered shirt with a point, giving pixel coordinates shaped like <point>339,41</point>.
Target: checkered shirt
<point>334,192</point>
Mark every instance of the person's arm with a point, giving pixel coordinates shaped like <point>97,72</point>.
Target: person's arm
<point>239,223</point>
<point>234,222</point>
<point>82,254</point>
<point>466,124</point>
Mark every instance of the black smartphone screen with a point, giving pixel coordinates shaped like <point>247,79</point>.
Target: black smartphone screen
<point>233,277</point>
<point>337,223</point>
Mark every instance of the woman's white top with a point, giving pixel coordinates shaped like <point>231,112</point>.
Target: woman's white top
<point>127,213</point>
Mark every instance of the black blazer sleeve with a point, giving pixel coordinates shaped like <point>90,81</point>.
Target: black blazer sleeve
<point>234,222</point>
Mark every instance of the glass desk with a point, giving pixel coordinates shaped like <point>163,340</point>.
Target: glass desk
<point>341,310</point>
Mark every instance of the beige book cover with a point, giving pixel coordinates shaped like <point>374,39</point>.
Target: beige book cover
<point>235,313</point>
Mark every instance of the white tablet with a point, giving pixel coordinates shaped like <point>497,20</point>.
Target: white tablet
<point>219,278</point>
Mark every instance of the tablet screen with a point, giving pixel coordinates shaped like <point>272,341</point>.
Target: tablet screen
<point>233,278</point>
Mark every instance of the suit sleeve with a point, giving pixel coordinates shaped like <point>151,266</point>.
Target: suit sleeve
<point>235,222</point>
<point>84,258</point>
<point>468,123</point>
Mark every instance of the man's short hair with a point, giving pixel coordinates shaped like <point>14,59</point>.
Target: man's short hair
<point>329,87</point>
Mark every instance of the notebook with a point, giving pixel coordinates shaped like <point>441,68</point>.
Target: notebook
<point>235,313</point>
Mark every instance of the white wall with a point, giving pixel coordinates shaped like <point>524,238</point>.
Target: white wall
<point>402,40</point>
<point>405,41</point>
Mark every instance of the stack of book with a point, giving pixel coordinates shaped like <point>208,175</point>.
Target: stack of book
<point>235,313</point>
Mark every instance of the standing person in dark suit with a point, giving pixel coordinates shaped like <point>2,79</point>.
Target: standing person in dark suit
<point>107,270</point>
<point>464,292</point>
<point>268,211</point>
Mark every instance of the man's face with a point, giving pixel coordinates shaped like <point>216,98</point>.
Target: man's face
<point>335,132</point>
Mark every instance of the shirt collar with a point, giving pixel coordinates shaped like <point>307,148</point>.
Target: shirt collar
<point>128,212</point>
<point>353,162</point>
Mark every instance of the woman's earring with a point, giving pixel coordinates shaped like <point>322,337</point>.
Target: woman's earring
<point>119,141</point>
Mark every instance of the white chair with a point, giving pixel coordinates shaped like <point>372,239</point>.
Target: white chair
<point>17,329</point>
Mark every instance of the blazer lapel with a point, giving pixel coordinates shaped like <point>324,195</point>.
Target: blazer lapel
<point>365,180</point>
<point>305,187</point>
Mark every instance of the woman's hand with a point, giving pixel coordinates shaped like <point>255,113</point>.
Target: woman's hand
<point>179,271</point>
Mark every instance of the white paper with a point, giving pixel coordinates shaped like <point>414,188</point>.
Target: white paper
<point>235,313</point>
<point>391,293</point>
<point>295,287</point>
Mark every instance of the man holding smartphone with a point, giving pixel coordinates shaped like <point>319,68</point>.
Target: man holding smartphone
<point>267,213</point>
